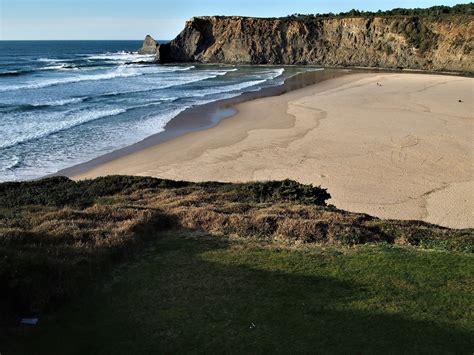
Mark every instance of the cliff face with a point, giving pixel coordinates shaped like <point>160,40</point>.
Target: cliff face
<point>408,42</point>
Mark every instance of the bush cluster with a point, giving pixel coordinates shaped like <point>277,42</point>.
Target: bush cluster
<point>416,32</point>
<point>61,191</point>
<point>286,190</point>
<point>431,12</point>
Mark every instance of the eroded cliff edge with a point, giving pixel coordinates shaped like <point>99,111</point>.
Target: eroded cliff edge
<point>390,42</point>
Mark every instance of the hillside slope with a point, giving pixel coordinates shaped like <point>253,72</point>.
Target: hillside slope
<point>104,263</point>
<point>55,231</point>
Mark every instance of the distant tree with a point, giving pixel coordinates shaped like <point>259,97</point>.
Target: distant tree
<point>432,12</point>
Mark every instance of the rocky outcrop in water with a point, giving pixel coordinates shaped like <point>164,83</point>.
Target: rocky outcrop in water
<point>389,42</point>
<point>149,46</point>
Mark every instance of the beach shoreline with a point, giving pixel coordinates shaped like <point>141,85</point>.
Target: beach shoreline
<point>383,160</point>
<point>206,116</point>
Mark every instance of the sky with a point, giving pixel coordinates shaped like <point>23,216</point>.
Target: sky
<point>163,19</point>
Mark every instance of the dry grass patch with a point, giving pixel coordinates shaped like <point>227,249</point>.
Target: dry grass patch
<point>56,233</point>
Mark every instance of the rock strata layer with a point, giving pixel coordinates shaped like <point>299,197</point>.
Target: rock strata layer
<point>389,42</point>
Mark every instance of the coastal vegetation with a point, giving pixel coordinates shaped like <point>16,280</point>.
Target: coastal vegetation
<point>411,23</point>
<point>430,12</point>
<point>258,261</point>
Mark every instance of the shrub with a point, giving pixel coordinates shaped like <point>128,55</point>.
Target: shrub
<point>388,50</point>
<point>286,190</point>
<point>431,12</point>
<point>61,191</point>
<point>417,33</point>
<point>55,191</point>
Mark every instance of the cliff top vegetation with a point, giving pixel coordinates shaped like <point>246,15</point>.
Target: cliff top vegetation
<point>430,12</point>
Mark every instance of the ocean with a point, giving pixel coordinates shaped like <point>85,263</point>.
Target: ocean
<point>66,102</point>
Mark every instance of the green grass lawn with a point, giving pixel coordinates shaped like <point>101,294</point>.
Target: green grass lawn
<point>191,293</point>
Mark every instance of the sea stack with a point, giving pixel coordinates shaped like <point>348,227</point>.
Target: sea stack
<point>149,46</point>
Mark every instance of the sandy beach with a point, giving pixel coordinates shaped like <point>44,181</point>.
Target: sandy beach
<point>393,145</point>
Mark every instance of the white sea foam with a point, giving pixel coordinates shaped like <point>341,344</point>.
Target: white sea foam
<point>156,84</point>
<point>153,102</point>
<point>61,102</point>
<point>276,73</point>
<point>9,163</point>
<point>56,125</point>
<point>11,72</point>
<point>228,88</point>
<point>122,71</point>
<point>123,57</point>
<point>157,123</point>
<point>269,75</point>
<point>50,60</point>
<point>62,66</point>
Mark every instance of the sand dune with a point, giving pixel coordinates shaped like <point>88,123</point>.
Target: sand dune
<point>402,148</point>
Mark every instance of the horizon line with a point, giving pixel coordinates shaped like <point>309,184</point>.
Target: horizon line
<point>39,40</point>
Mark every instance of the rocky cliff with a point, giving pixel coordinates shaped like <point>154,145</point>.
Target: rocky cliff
<point>391,42</point>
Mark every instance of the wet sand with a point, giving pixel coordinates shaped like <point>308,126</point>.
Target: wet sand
<point>205,116</point>
<point>399,149</point>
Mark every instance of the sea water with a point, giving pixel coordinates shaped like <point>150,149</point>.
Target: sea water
<point>66,102</point>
